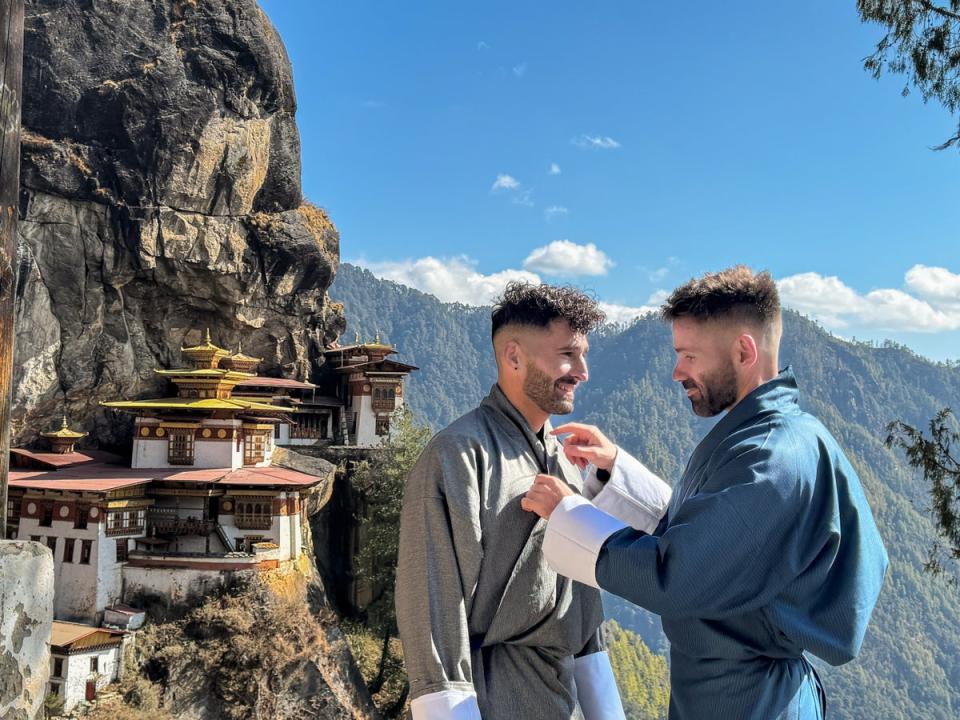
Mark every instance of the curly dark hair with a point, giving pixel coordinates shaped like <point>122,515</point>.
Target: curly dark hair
<point>736,293</point>
<point>525,303</point>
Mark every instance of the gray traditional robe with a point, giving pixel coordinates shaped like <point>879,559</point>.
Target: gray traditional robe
<point>477,606</point>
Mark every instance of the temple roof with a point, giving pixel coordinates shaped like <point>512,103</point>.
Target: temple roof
<point>99,477</point>
<point>64,432</point>
<point>205,347</point>
<point>258,381</point>
<point>179,403</point>
<point>218,373</point>
<point>75,636</point>
<point>374,365</point>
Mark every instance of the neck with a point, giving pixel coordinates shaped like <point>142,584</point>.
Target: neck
<point>764,375</point>
<point>535,417</point>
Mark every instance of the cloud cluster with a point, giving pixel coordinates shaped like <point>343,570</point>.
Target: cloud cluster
<point>930,303</point>
<point>554,211</point>
<point>449,279</point>
<point>563,258</point>
<point>458,280</point>
<point>505,182</point>
<point>554,169</point>
<point>624,314</point>
<point>595,142</point>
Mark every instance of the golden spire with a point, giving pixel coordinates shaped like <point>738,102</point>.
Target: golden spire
<point>64,432</point>
<point>356,336</point>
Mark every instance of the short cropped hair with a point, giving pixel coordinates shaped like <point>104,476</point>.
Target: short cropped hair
<point>533,305</point>
<point>736,293</point>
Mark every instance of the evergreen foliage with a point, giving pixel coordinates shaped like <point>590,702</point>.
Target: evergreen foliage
<point>380,481</point>
<point>910,664</point>
<point>643,678</point>
<point>935,457</point>
<point>922,41</point>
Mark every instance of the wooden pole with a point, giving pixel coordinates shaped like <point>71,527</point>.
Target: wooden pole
<point>11,67</point>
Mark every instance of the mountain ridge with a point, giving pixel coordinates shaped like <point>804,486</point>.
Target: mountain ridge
<point>853,388</point>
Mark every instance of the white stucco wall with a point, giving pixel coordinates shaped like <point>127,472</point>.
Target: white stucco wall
<point>75,585</point>
<point>109,571</point>
<point>215,454</point>
<point>176,584</point>
<point>76,669</point>
<point>152,452</point>
<point>366,421</point>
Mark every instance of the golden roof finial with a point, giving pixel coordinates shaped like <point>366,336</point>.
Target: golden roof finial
<point>64,426</point>
<point>239,347</point>
<point>377,337</point>
<point>208,337</point>
<point>356,336</point>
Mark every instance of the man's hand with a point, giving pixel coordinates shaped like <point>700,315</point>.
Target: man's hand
<point>544,495</point>
<point>586,444</point>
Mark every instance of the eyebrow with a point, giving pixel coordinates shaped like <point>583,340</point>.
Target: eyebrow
<point>573,346</point>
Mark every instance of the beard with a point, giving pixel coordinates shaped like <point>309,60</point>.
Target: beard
<point>715,393</point>
<point>545,393</point>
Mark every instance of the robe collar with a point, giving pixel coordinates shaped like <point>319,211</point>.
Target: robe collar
<point>781,394</point>
<point>514,419</point>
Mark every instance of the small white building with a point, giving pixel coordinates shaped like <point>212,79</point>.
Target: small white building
<point>83,660</point>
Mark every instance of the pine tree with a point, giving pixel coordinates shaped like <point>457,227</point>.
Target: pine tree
<point>940,465</point>
<point>922,42</point>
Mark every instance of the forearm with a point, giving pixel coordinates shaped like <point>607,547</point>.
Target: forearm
<point>632,493</point>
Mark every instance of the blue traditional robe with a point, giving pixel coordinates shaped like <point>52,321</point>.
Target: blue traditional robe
<point>767,550</point>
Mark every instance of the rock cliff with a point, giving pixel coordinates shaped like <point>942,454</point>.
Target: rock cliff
<point>160,196</point>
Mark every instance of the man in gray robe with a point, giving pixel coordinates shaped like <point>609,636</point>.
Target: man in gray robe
<point>488,629</point>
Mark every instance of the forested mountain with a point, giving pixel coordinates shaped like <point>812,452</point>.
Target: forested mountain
<point>910,664</point>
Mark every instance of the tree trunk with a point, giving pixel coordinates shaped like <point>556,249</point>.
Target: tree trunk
<point>11,66</point>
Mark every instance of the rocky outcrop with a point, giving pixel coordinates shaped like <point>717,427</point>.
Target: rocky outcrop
<point>160,196</point>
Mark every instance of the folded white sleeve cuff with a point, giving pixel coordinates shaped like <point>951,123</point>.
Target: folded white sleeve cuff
<point>446,705</point>
<point>597,690</point>
<point>633,493</point>
<point>575,533</point>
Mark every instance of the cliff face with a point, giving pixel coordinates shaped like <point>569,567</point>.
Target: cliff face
<point>160,196</point>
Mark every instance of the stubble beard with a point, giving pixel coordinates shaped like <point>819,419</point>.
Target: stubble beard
<point>717,392</point>
<point>543,391</point>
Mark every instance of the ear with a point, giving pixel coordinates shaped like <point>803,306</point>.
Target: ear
<point>512,355</point>
<point>746,352</point>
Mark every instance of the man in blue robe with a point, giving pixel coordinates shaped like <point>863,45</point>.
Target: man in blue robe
<point>767,548</point>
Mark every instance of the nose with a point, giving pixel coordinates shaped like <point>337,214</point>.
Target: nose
<point>677,375</point>
<point>579,370</point>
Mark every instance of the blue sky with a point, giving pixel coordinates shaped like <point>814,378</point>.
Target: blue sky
<point>626,147</point>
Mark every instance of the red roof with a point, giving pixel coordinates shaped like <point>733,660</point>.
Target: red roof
<point>99,477</point>
<point>276,383</point>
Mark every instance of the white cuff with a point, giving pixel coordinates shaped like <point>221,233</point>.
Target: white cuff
<point>633,493</point>
<point>446,705</point>
<point>596,688</point>
<point>575,533</point>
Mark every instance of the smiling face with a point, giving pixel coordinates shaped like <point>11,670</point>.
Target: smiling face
<point>540,368</point>
<point>706,365</point>
<point>555,364</point>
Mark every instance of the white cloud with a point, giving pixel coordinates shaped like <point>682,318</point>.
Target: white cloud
<point>449,279</point>
<point>505,182</point>
<point>838,306</point>
<point>624,314</point>
<point>373,104</point>
<point>520,70</point>
<point>554,211</point>
<point>937,284</point>
<point>482,46</point>
<point>596,142</point>
<point>563,258</point>
<point>554,169</point>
